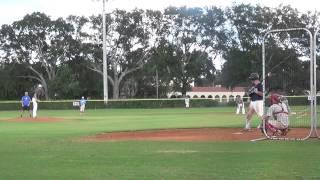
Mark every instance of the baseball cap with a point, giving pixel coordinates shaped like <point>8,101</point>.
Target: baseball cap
<point>254,76</point>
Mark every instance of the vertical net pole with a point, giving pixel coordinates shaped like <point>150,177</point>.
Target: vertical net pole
<point>312,89</point>
<point>104,46</point>
<point>315,122</point>
<point>312,77</point>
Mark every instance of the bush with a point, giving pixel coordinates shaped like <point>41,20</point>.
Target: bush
<point>152,103</point>
<point>298,101</point>
<point>162,103</point>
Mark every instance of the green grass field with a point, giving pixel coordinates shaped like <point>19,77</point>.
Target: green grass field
<point>30,150</point>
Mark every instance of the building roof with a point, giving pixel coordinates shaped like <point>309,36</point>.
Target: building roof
<point>217,89</point>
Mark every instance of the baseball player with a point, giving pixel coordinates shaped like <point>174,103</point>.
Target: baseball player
<point>82,105</point>
<point>187,102</point>
<point>256,100</point>
<point>240,105</point>
<point>25,104</point>
<point>277,118</point>
<point>36,99</point>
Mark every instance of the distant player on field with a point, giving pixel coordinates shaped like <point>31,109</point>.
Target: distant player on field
<point>240,105</point>
<point>256,100</point>
<point>277,118</point>
<point>82,105</point>
<point>36,99</point>
<point>25,104</point>
<point>187,101</point>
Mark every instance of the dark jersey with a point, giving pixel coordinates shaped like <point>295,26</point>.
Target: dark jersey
<point>38,93</point>
<point>255,96</point>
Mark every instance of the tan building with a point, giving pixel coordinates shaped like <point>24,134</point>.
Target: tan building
<point>219,93</point>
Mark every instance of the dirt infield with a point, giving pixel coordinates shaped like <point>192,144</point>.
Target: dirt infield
<point>203,134</point>
<point>38,119</point>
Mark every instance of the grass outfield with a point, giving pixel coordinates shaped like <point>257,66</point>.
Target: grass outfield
<point>30,150</point>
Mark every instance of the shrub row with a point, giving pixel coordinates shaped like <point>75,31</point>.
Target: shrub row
<point>161,103</point>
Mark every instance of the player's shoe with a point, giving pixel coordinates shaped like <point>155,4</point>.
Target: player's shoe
<point>259,126</point>
<point>262,130</point>
<point>246,130</point>
<point>284,132</point>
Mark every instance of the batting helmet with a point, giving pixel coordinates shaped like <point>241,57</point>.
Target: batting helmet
<point>254,76</point>
<point>275,99</point>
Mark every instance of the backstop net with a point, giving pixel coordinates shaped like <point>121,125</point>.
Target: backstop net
<point>287,70</point>
<point>317,59</point>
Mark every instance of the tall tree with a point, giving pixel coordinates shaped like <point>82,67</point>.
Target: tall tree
<point>248,23</point>
<point>128,45</point>
<point>194,36</point>
<point>248,26</point>
<point>38,43</point>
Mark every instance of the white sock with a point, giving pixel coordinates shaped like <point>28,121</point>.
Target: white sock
<point>248,126</point>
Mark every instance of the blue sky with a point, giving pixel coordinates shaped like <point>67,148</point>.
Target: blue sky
<point>11,10</point>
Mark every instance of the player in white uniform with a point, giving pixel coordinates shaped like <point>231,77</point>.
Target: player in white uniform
<point>240,105</point>
<point>256,100</point>
<point>35,99</point>
<point>277,118</point>
<point>187,102</point>
<point>82,105</point>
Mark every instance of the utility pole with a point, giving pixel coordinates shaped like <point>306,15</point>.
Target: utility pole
<point>105,65</point>
<point>157,83</point>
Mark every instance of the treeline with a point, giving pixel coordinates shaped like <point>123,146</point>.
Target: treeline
<point>146,49</point>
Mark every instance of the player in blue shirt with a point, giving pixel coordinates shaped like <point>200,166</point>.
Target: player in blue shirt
<point>82,105</point>
<point>25,104</point>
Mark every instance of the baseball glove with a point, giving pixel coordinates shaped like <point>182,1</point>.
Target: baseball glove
<point>252,90</point>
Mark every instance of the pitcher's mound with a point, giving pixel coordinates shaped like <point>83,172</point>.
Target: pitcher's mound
<point>38,119</point>
<point>201,134</point>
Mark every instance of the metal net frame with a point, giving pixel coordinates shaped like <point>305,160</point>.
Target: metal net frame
<point>311,114</point>
<point>315,122</point>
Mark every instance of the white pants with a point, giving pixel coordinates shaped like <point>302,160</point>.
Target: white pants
<point>35,107</point>
<point>82,107</point>
<point>239,107</point>
<point>278,124</point>
<point>257,106</point>
<point>187,105</point>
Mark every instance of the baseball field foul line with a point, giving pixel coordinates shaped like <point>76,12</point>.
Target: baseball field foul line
<point>259,139</point>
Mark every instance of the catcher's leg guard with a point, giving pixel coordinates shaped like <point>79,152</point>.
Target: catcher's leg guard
<point>271,129</point>
<point>284,132</point>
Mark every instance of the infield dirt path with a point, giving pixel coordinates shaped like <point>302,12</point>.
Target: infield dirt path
<point>201,134</point>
